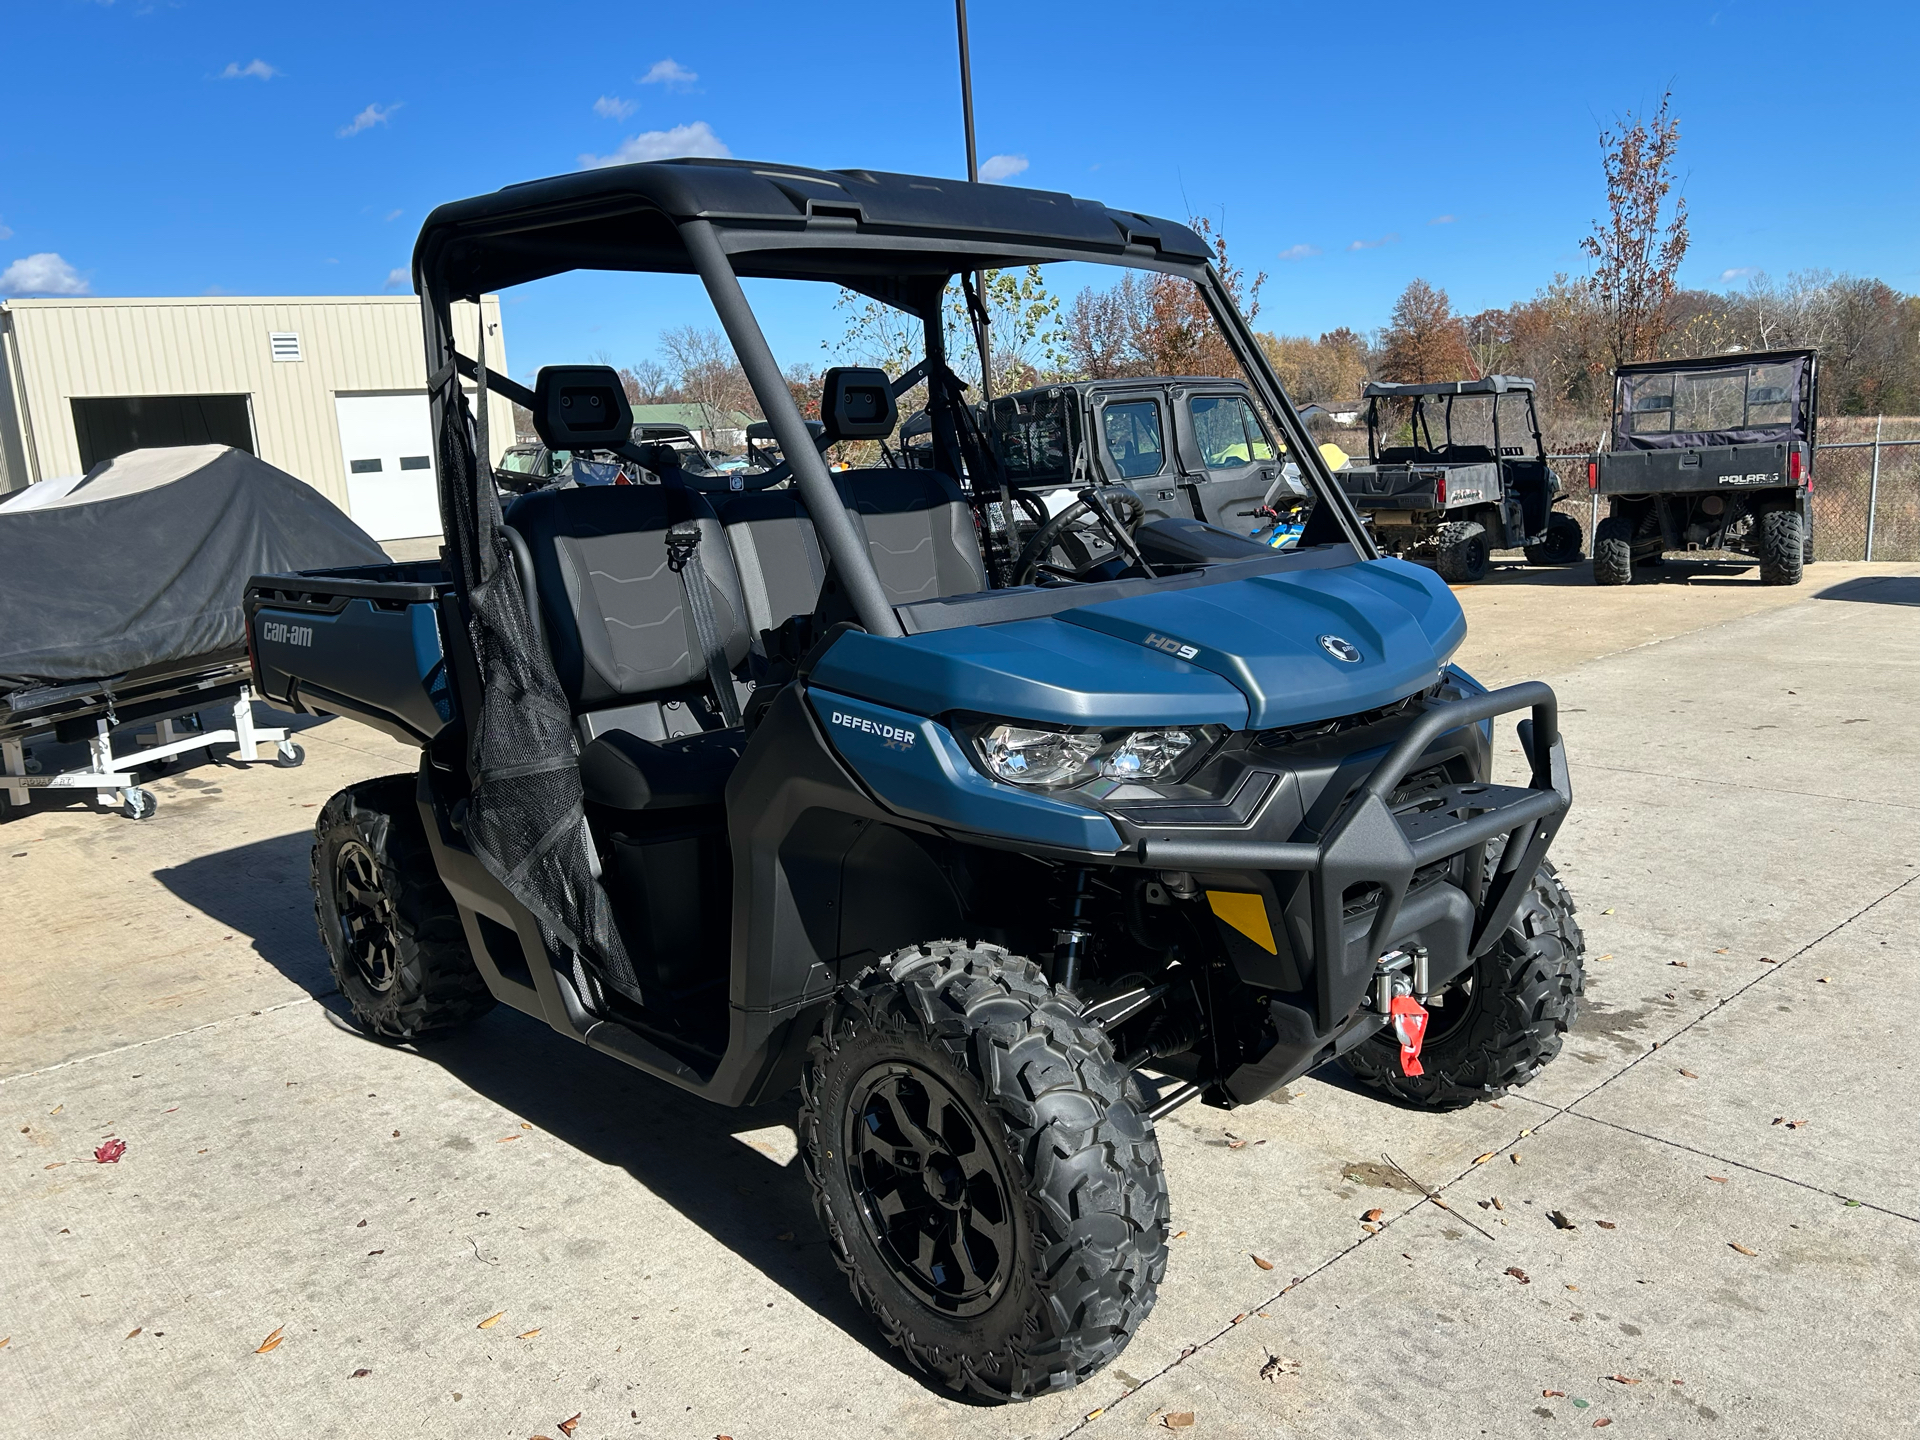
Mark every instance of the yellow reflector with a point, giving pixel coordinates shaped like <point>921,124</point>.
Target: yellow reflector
<point>1245,913</point>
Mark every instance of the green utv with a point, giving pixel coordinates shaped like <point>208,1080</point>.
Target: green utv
<point>775,781</point>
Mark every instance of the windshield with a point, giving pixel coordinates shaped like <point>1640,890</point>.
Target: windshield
<point>1033,434</point>
<point>1727,402</point>
<point>521,462</point>
<point>1228,432</point>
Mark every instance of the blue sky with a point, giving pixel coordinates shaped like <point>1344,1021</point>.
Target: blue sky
<point>164,148</point>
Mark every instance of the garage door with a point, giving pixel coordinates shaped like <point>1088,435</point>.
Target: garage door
<point>387,443</point>
<point>113,425</point>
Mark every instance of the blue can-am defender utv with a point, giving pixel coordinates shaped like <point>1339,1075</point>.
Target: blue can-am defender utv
<point>769,780</point>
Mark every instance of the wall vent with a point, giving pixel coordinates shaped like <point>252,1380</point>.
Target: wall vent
<point>285,344</point>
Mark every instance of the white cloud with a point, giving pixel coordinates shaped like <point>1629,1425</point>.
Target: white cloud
<point>258,69</point>
<point>1373,244</point>
<point>1738,274</point>
<point>42,274</point>
<point>1002,167</point>
<point>399,278</point>
<point>395,214</point>
<point>696,139</point>
<point>368,118</point>
<point>1441,220</point>
<point>5,233</point>
<point>608,107</point>
<point>669,73</point>
<point>1299,252</point>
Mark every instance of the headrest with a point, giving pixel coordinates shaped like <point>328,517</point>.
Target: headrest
<point>581,407</point>
<point>856,402</point>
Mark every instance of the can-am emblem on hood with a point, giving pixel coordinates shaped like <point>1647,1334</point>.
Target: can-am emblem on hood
<point>1340,649</point>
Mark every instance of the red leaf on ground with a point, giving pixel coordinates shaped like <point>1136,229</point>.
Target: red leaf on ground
<point>567,1427</point>
<point>110,1152</point>
<point>1517,1273</point>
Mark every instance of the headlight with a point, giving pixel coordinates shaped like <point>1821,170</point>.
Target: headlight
<point>1027,755</point>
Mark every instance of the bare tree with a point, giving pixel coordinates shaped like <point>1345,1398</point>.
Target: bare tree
<point>648,383</point>
<point>1102,328</point>
<point>709,373</point>
<point>1641,243</point>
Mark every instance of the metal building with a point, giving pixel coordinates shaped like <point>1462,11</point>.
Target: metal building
<point>331,389</point>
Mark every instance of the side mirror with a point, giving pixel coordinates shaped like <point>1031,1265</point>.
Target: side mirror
<point>581,407</point>
<point>857,403</point>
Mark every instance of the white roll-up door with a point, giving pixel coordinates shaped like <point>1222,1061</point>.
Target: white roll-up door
<point>387,443</point>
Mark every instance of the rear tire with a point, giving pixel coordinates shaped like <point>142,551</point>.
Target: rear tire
<point>393,935</point>
<point>1782,548</point>
<point>1460,552</point>
<point>1562,543</point>
<point>948,1074</point>
<point>1525,994</point>
<point>1613,552</point>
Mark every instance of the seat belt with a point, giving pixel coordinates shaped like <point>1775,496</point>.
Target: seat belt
<point>683,557</point>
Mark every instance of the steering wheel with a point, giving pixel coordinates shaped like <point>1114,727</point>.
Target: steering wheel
<point>1070,530</point>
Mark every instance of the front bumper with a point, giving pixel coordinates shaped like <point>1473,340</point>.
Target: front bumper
<point>1375,849</point>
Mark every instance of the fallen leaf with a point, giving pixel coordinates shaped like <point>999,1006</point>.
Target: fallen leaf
<point>567,1427</point>
<point>372,1253</point>
<point>360,1374</point>
<point>1573,1287</point>
<point>1560,1220</point>
<point>1369,1227</point>
<point>5,1341</point>
<point>1741,1248</point>
<point>1514,1157</point>
<point>1517,1273</point>
<point>1263,1262</point>
<point>1779,1119</point>
<point>504,1138</point>
<point>1680,964</point>
<point>1374,1214</point>
<point>1723,950</point>
<point>54,1166</point>
<point>1181,1236</point>
<point>1607,911</point>
<point>1607,956</point>
<point>396,1134</point>
<point>272,1342</point>
<point>1096,1414</point>
<point>1482,1159</point>
<point>1718,1179</point>
<point>1689,1074</point>
<point>1602,1423</point>
<point>528,1334</point>
<point>1177,1419</point>
<point>1238,1318</point>
<point>1553,1394</point>
<point>1825,980</point>
<point>1623,1380</point>
<point>361,1226</point>
<point>528,1125</point>
<point>1766,960</point>
<point>110,1152</point>
<point>1606,1225</point>
<point>58,1108</point>
<point>1496,1203</point>
<point>1525,1133</point>
<point>1275,1367</point>
<point>491,1321</point>
<point>133,1332</point>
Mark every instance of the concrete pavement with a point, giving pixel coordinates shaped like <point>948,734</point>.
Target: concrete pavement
<point>1742,848</point>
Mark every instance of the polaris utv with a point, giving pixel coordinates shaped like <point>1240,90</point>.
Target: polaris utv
<point>779,787</point>
<point>1482,485</point>
<point>1710,454</point>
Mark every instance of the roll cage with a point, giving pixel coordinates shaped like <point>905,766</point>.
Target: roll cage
<point>1428,397</point>
<point>895,238</point>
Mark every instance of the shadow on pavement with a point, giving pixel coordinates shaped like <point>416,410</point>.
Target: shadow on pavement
<point>1876,590</point>
<point>681,1148</point>
<point>1579,575</point>
<point>261,891</point>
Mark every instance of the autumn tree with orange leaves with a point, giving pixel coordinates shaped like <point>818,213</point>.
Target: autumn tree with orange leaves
<point>1639,246</point>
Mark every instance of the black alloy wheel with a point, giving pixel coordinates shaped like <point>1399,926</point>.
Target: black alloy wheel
<point>934,1197</point>
<point>363,917</point>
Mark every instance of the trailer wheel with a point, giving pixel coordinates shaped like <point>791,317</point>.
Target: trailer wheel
<point>393,936</point>
<point>1782,552</point>
<point>138,804</point>
<point>1562,543</point>
<point>289,756</point>
<point>1503,1021</point>
<point>1613,552</point>
<point>987,1185</point>
<point>1460,551</point>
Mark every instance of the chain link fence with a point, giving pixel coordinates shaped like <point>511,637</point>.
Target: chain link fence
<point>1866,489</point>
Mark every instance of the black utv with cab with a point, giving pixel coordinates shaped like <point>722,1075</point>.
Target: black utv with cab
<point>782,786</point>
<point>1461,472</point>
<point>1710,454</point>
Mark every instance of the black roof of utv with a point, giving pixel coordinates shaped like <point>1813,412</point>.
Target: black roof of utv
<point>1485,385</point>
<point>778,221</point>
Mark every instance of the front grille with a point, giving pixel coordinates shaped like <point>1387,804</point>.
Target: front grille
<point>1321,729</point>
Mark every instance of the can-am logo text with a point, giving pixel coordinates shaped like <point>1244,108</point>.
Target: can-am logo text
<point>896,738</point>
<point>1172,646</point>
<point>285,634</point>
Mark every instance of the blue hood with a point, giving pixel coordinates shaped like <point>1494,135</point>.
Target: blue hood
<point>1242,653</point>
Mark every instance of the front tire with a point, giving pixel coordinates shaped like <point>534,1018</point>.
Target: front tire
<point>1504,1023</point>
<point>1562,543</point>
<point>393,935</point>
<point>986,1185</point>
<point>1613,552</point>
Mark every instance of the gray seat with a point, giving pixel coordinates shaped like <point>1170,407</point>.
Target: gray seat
<point>776,553</point>
<point>617,625</point>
